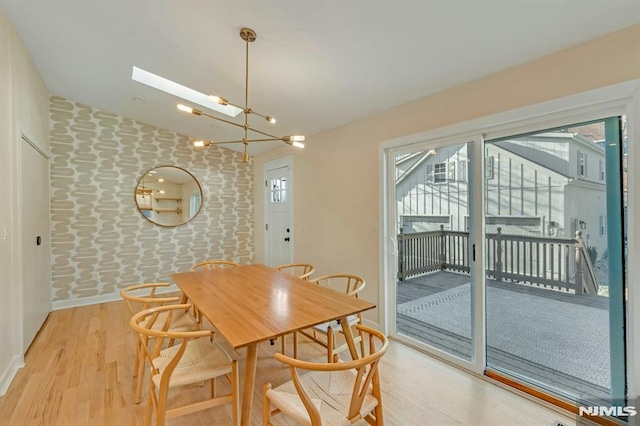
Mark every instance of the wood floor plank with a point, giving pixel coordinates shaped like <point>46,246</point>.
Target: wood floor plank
<point>79,372</point>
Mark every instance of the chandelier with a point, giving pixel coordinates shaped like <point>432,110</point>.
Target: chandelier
<point>249,36</point>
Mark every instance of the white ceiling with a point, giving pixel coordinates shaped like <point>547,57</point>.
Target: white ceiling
<point>316,64</point>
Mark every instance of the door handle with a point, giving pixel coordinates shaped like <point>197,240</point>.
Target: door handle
<point>287,239</point>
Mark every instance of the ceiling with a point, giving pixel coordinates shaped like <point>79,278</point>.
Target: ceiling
<point>316,65</point>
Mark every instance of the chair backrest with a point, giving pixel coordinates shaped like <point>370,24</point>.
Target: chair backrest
<point>300,270</point>
<point>143,324</point>
<point>366,368</point>
<point>143,296</point>
<point>212,264</point>
<point>349,283</point>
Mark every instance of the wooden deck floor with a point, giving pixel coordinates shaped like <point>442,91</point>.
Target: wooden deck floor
<point>415,288</point>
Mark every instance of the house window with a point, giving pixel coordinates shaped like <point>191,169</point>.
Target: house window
<point>603,226</point>
<point>582,164</point>
<point>440,173</point>
<point>601,170</point>
<point>462,170</point>
<point>488,168</point>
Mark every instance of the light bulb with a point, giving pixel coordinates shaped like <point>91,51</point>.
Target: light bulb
<point>298,144</point>
<point>271,120</point>
<point>200,144</point>
<point>185,108</point>
<point>160,180</point>
<point>297,138</point>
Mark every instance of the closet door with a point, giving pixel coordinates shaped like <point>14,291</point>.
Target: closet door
<point>36,246</point>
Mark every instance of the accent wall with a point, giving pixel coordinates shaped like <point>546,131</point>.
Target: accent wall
<point>100,241</point>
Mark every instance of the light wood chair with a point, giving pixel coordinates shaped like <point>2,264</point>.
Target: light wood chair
<point>303,271</point>
<point>195,358</point>
<point>139,297</point>
<point>212,264</point>
<point>352,285</point>
<point>300,270</point>
<point>336,393</point>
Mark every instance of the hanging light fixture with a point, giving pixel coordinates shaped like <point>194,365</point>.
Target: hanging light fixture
<point>249,36</point>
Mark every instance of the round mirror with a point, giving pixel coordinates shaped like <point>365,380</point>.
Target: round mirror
<point>168,196</point>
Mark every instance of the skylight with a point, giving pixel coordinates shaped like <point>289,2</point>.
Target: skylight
<point>175,89</point>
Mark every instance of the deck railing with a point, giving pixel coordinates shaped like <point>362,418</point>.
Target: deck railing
<point>558,263</point>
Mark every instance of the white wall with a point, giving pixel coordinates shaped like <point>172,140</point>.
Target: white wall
<point>24,109</point>
<point>9,338</point>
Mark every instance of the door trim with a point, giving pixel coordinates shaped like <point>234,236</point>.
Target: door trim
<point>35,146</point>
<point>266,168</point>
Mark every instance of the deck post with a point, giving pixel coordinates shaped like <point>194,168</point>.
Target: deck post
<point>442,258</point>
<point>578,279</point>
<point>498,260</point>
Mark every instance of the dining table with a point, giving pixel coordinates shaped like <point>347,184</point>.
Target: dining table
<point>249,304</point>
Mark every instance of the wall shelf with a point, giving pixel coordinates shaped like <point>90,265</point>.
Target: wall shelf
<point>176,211</point>
<point>168,199</point>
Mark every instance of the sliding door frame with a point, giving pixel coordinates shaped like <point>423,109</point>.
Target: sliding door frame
<point>475,189</point>
<point>618,99</point>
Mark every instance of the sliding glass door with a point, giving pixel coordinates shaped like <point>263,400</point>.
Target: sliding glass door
<point>554,204</point>
<point>434,291</point>
<point>508,256</point>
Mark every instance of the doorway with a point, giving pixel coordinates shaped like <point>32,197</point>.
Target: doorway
<point>278,202</point>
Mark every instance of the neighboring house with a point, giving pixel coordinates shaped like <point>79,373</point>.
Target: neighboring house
<point>550,184</point>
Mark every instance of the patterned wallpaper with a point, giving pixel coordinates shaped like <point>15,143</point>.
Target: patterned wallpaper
<point>100,242</point>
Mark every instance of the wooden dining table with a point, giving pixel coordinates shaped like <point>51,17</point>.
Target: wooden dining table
<point>254,303</point>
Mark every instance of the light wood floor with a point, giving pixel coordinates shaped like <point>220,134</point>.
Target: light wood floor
<point>79,371</point>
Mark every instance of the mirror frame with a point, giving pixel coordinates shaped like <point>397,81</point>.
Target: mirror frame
<point>135,199</point>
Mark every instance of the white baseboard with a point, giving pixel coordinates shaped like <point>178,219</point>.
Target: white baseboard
<point>9,373</point>
<point>94,300</point>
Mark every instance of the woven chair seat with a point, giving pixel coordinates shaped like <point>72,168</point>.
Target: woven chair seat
<point>202,360</point>
<point>181,321</point>
<point>329,392</point>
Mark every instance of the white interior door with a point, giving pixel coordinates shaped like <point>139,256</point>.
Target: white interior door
<point>278,229</point>
<point>35,242</point>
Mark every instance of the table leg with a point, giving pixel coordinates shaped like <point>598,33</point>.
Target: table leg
<point>349,337</point>
<point>249,383</point>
